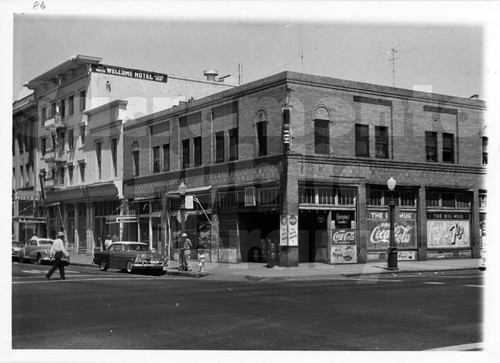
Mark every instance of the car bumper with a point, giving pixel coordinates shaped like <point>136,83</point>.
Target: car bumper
<point>147,265</point>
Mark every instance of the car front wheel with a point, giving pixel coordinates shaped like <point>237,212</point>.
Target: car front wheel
<point>130,266</point>
<point>103,266</point>
<point>39,259</point>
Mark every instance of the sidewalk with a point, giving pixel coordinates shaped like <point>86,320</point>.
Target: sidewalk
<point>260,271</point>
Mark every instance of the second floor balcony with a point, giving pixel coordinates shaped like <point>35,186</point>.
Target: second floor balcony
<point>56,155</point>
<point>56,122</point>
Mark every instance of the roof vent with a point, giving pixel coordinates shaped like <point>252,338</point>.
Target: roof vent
<point>211,74</point>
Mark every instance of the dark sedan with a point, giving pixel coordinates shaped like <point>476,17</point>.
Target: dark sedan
<point>129,256</point>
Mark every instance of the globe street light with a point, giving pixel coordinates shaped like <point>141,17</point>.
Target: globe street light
<point>392,256</point>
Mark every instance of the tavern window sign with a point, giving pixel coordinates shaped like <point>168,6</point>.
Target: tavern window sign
<point>129,73</point>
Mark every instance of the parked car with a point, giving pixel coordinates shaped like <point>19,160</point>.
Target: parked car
<point>16,248</point>
<point>129,256</point>
<point>36,250</point>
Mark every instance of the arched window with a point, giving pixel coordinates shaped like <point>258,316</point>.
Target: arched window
<point>135,158</point>
<point>261,128</point>
<point>321,118</point>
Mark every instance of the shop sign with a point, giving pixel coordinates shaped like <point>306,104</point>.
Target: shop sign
<point>448,233</point>
<point>407,255</point>
<point>289,230</point>
<point>344,254</point>
<point>27,195</point>
<point>293,235</point>
<point>283,231</point>
<point>447,215</point>
<point>129,73</point>
<point>404,230</point>
<point>344,237</point>
<point>343,219</point>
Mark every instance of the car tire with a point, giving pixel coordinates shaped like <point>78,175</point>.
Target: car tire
<point>130,266</point>
<point>103,266</point>
<point>39,259</point>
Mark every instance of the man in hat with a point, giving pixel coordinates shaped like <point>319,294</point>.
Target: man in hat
<point>108,241</point>
<point>58,250</point>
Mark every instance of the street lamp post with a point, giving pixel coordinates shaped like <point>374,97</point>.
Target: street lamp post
<point>182,193</point>
<point>392,256</point>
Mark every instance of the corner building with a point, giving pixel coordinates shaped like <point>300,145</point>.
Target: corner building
<point>293,169</point>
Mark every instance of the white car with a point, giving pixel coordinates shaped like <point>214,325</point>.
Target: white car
<point>36,250</point>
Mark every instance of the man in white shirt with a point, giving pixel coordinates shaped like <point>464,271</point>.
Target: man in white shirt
<point>58,250</point>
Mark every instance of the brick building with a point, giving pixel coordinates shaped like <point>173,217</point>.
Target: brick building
<point>295,166</point>
<point>82,106</point>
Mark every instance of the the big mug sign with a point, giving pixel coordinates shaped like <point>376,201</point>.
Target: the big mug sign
<point>404,230</point>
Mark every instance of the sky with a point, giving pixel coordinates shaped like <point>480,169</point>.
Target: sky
<point>446,58</point>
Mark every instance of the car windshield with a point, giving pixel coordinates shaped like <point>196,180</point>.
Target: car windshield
<point>136,248</point>
<point>44,242</point>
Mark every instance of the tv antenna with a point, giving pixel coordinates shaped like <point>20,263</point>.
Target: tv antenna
<point>393,58</point>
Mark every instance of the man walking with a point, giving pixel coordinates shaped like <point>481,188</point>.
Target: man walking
<point>58,250</point>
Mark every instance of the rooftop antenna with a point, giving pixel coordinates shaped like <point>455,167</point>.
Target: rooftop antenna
<point>393,58</point>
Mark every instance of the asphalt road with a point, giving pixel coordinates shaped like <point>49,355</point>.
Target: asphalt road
<point>113,310</point>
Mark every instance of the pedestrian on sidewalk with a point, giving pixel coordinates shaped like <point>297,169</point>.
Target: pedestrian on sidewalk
<point>201,257</point>
<point>108,242</point>
<point>57,250</point>
<point>187,245</point>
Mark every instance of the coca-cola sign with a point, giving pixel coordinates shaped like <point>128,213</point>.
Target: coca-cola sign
<point>404,231</point>
<point>344,237</point>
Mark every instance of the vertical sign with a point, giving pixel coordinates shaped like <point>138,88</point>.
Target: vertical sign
<point>293,230</point>
<point>289,230</point>
<point>283,231</point>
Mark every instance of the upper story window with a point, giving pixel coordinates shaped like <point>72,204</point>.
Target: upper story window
<point>62,108</point>
<point>43,140</point>
<point>448,148</point>
<point>261,126</point>
<point>321,131</point>
<point>321,136</point>
<point>166,157</point>
<point>381,142</point>
<point>197,151</point>
<point>52,110</point>
<point>219,147</point>
<point>98,153</point>
<point>114,156</point>
<point>326,195</point>
<point>82,134</point>
<point>71,139</point>
<point>81,166</point>
<point>70,174</point>
<point>185,154</point>
<point>233,144</point>
<point>83,100</point>
<point>43,114</point>
<point>135,159</point>
<point>156,159</point>
<point>71,105</point>
<point>430,146</point>
<point>448,200</point>
<point>362,137</point>
<point>485,150</point>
